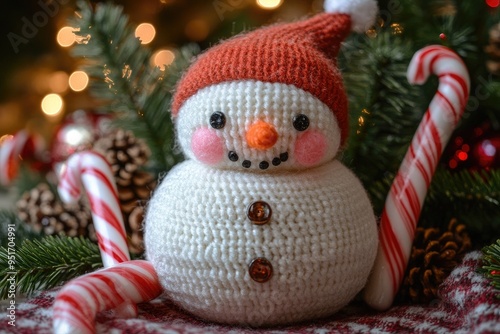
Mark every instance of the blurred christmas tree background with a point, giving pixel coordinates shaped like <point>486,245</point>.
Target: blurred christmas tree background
<point>50,71</point>
<point>36,59</point>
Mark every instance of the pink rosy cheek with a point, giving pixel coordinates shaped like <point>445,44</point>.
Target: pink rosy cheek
<point>310,148</point>
<point>207,146</point>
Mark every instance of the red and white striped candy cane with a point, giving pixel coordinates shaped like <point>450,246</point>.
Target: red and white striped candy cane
<point>91,170</point>
<point>407,194</point>
<point>11,149</point>
<point>81,299</point>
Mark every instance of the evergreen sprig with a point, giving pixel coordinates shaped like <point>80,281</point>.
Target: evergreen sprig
<point>466,185</point>
<point>491,264</point>
<point>46,263</point>
<point>125,81</point>
<point>463,23</point>
<point>473,197</point>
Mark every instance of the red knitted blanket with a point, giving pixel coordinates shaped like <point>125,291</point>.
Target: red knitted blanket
<point>467,304</point>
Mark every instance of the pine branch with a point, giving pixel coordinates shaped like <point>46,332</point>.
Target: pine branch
<point>46,263</point>
<point>472,197</point>
<point>465,186</point>
<point>122,77</point>
<point>491,264</point>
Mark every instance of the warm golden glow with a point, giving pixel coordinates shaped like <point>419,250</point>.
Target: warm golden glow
<point>58,82</point>
<point>197,30</point>
<point>269,4</point>
<point>361,121</point>
<point>162,58</point>
<point>397,29</point>
<point>52,105</point>
<point>66,37</point>
<point>372,33</point>
<point>146,32</point>
<point>78,81</point>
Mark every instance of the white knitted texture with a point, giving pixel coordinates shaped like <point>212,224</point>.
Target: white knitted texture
<point>321,241</point>
<point>244,103</point>
<point>363,12</point>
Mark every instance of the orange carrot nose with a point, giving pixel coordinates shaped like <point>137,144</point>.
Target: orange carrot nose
<point>262,136</point>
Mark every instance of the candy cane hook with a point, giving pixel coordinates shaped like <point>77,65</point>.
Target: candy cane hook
<point>89,170</point>
<point>80,300</point>
<point>11,150</point>
<point>407,194</point>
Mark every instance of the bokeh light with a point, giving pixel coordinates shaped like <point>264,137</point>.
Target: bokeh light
<point>488,148</point>
<point>66,36</point>
<point>162,58</point>
<point>146,32</point>
<point>58,82</point>
<point>269,4</point>
<point>52,104</point>
<point>493,3</point>
<point>78,81</point>
<point>463,156</point>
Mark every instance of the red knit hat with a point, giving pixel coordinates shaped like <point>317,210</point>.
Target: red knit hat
<point>302,54</point>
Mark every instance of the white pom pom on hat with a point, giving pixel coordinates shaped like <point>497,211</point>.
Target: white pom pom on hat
<point>363,12</point>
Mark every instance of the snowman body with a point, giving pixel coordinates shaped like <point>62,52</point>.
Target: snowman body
<point>261,225</point>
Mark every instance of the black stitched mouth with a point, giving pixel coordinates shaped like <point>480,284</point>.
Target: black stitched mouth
<point>233,156</point>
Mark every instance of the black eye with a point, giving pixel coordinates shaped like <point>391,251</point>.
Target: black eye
<point>301,122</point>
<point>217,120</point>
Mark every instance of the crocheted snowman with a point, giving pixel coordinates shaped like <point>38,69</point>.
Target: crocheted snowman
<point>261,225</point>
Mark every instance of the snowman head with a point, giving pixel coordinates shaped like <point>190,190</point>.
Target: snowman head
<point>272,99</point>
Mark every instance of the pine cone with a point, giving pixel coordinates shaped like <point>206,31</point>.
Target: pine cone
<point>40,208</point>
<point>493,50</point>
<point>135,222</point>
<point>124,152</point>
<point>126,155</point>
<point>133,198</point>
<point>434,255</point>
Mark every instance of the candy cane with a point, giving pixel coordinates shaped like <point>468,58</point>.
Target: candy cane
<point>81,299</point>
<point>404,203</point>
<point>91,170</point>
<point>11,149</point>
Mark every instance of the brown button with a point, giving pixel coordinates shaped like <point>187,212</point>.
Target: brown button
<point>261,270</point>
<point>259,213</point>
